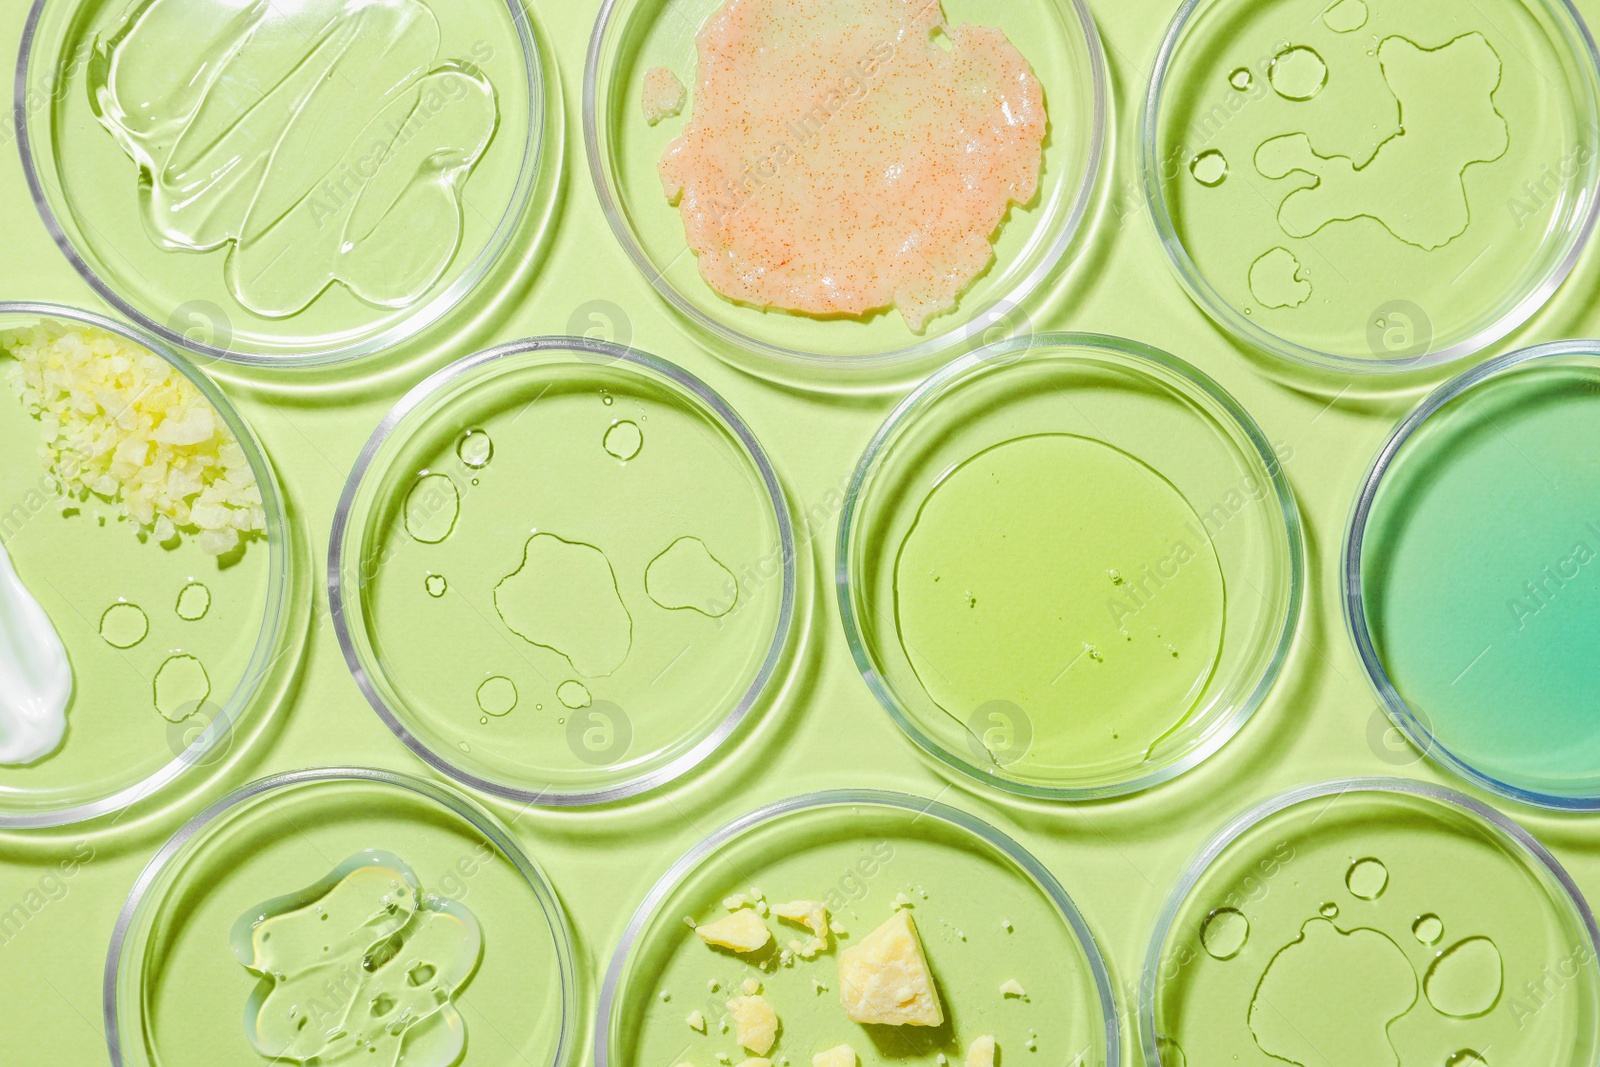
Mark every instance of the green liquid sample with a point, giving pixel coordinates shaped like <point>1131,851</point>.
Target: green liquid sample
<point>360,968</point>
<point>1481,575</point>
<point>1469,944</point>
<point>1062,576</point>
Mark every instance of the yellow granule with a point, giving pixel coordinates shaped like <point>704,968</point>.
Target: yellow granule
<point>121,424</point>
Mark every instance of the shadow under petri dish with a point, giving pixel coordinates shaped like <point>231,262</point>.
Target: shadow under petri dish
<point>1375,926</point>
<point>1481,577</point>
<point>1063,576</point>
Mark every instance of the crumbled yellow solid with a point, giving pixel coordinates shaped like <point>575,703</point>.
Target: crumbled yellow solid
<point>1012,988</point>
<point>743,931</point>
<point>118,422</point>
<point>886,979</point>
<point>696,1021</point>
<point>981,1053</point>
<point>839,1056</point>
<point>755,1024</point>
<point>812,915</point>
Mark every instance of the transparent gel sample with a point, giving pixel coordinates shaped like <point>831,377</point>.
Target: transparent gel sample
<point>981,918</point>
<point>1414,161</point>
<point>361,967</point>
<point>1480,576</point>
<point>1383,927</point>
<point>630,587</point>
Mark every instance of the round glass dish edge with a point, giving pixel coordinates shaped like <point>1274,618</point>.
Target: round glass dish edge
<point>457,803</point>
<point>430,314</point>
<point>1014,851</point>
<point>1353,600</point>
<point>1017,348</point>
<point>274,624</point>
<point>681,378</point>
<point>1239,326</point>
<point>1237,826</point>
<point>797,359</point>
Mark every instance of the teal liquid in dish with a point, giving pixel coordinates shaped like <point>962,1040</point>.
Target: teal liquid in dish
<point>1481,575</point>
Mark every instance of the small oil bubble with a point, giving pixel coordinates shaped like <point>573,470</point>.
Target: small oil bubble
<point>1329,911</point>
<point>1242,79</point>
<point>624,440</point>
<point>436,585</point>
<point>475,449</point>
<point>181,685</point>
<point>1298,73</point>
<point>194,600</point>
<point>497,695</point>
<point>1225,932</point>
<point>574,694</point>
<point>1115,576</point>
<point>1210,168</point>
<point>432,507</point>
<point>1466,1058</point>
<point>1367,879</point>
<point>124,625</point>
<point>1428,929</point>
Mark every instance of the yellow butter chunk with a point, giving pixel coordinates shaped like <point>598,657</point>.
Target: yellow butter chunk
<point>743,931</point>
<point>886,980</point>
<point>1012,988</point>
<point>981,1053</point>
<point>755,1024</point>
<point>120,423</point>
<point>840,1056</point>
<point>814,917</point>
<point>696,1021</point>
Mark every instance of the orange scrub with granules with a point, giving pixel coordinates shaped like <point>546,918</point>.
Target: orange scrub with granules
<point>847,156</point>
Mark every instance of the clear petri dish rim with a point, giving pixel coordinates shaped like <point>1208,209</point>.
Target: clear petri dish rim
<point>418,320</point>
<point>1353,597</point>
<point>609,353</point>
<point>806,362</point>
<point>139,898</point>
<point>1149,979</point>
<point>692,859</point>
<point>1141,355</point>
<point>1221,312</point>
<point>265,654</point>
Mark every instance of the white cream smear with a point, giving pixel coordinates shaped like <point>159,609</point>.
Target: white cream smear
<point>35,676</point>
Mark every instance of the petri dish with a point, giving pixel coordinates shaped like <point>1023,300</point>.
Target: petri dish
<point>1329,179</point>
<point>1471,585</point>
<point>563,572</point>
<point>986,912</point>
<point>634,37</point>
<point>447,936</point>
<point>302,184</point>
<point>1373,921</point>
<point>147,643</point>
<point>1070,566</point>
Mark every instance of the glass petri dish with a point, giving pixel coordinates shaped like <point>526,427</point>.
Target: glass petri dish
<point>633,37</point>
<point>563,572</point>
<point>1471,585</point>
<point>987,913</point>
<point>403,139</point>
<point>155,649</point>
<point>1329,179</point>
<point>1373,921</point>
<point>1070,566</point>
<point>481,955</point>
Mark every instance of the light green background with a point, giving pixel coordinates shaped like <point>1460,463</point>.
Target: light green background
<point>1117,859</point>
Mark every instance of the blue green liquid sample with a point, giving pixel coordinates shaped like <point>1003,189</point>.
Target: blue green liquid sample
<point>1481,574</point>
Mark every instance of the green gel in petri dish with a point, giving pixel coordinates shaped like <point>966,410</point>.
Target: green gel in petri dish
<point>1477,552</point>
<point>1378,922</point>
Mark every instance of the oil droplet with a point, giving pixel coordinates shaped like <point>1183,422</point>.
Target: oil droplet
<point>1329,911</point>
<point>605,398</point>
<point>436,585</point>
<point>463,746</point>
<point>1367,879</point>
<point>1346,16</point>
<point>1115,576</point>
<point>1297,73</point>
<point>497,695</point>
<point>475,448</point>
<point>432,507</point>
<point>1466,980</point>
<point>574,694</point>
<point>124,625</point>
<point>194,600</point>
<point>181,686</point>
<point>1225,932</point>
<point>1428,929</point>
<point>1278,279</point>
<point>687,577</point>
<point>1210,168</point>
<point>1242,79</point>
<point>624,440</point>
<point>1466,1058</point>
